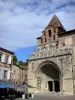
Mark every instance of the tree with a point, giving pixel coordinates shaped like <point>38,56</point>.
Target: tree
<point>15,60</point>
<point>21,63</point>
<point>26,63</point>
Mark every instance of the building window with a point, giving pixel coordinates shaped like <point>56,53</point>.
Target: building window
<point>54,30</point>
<point>44,34</point>
<point>41,40</point>
<point>63,44</point>
<point>49,31</point>
<point>5,74</point>
<point>14,74</point>
<point>6,58</point>
<point>25,75</point>
<point>0,56</point>
<point>16,82</point>
<point>53,37</point>
<point>45,39</point>
<point>57,44</point>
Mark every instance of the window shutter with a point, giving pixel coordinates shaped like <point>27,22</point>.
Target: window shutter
<point>3,58</point>
<point>8,75</point>
<point>9,60</point>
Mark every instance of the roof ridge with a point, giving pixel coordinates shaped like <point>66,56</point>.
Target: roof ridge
<point>55,22</point>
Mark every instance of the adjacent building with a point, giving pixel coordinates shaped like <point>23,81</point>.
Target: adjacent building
<point>6,58</point>
<point>23,74</point>
<point>15,73</point>
<point>8,70</point>
<point>19,74</point>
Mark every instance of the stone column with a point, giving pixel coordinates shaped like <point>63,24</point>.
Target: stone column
<point>61,84</point>
<point>47,87</point>
<point>53,85</point>
<point>61,77</point>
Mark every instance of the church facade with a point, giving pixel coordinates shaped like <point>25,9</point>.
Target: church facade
<point>52,65</point>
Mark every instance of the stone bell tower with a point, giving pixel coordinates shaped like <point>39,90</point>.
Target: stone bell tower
<point>50,34</point>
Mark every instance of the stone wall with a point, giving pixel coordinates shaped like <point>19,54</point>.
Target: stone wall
<point>61,59</point>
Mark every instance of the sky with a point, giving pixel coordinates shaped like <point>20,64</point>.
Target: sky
<point>22,21</point>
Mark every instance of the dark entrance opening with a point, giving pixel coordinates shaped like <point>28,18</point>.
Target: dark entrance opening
<point>50,86</point>
<point>51,71</point>
<point>57,86</point>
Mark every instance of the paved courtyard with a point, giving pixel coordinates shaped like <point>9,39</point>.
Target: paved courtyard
<point>50,97</point>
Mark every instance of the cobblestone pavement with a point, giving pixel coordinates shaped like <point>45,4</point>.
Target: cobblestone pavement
<point>50,97</point>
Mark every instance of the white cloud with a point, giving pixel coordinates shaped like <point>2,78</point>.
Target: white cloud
<point>22,21</point>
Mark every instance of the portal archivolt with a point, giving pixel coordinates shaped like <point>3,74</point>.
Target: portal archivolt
<point>48,76</point>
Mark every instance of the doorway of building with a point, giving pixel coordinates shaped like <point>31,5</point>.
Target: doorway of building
<point>50,86</point>
<point>57,86</point>
<point>51,73</point>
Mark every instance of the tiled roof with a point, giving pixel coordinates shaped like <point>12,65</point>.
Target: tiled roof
<point>67,33</point>
<point>55,22</point>
<point>5,50</point>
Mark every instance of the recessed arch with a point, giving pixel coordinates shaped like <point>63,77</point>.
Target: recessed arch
<point>47,62</point>
<point>48,72</point>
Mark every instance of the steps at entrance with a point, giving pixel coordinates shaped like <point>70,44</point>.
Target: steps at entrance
<point>52,93</point>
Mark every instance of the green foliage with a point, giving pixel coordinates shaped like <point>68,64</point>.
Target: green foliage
<point>21,63</point>
<point>15,60</point>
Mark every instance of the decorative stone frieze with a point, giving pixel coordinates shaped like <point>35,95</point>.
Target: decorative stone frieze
<point>50,50</point>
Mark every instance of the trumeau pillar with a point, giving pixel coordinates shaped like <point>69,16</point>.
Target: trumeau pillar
<point>61,84</point>
<point>53,85</point>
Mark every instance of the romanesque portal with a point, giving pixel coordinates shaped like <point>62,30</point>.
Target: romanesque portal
<point>51,70</point>
<point>48,76</point>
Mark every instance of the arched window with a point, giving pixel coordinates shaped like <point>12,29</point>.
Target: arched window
<point>49,31</point>
<point>45,39</point>
<point>6,58</point>
<point>63,44</point>
<point>0,56</point>
<point>41,40</point>
<point>44,34</point>
<point>54,30</point>
<point>53,37</point>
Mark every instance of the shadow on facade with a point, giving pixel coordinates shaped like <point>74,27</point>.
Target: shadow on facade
<point>52,77</point>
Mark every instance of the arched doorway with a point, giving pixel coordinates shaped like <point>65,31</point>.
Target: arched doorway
<point>48,76</point>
